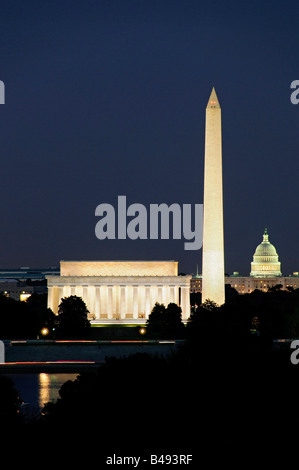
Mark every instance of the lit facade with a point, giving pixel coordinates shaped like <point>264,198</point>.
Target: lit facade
<point>19,290</point>
<point>213,243</point>
<point>120,291</point>
<point>265,273</point>
<point>247,284</point>
<point>265,262</point>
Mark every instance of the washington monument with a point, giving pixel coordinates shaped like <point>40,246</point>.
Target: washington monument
<point>213,244</point>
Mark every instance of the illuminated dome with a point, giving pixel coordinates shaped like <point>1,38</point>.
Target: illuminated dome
<point>265,260</point>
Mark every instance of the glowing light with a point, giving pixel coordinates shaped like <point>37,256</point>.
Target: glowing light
<point>44,386</point>
<point>24,297</point>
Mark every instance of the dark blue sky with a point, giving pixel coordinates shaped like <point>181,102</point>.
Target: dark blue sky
<point>108,98</point>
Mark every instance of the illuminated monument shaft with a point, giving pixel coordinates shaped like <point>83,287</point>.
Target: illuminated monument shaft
<point>213,244</point>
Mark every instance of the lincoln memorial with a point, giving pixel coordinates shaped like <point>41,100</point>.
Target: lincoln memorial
<point>120,291</point>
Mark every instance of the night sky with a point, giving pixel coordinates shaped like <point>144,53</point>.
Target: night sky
<point>108,98</point>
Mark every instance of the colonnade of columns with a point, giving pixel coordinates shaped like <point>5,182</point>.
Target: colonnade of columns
<point>122,301</point>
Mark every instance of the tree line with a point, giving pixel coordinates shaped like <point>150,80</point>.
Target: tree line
<point>225,380</point>
<point>272,314</point>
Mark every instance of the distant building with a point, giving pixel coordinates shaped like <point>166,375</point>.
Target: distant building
<point>245,285</point>
<point>196,283</point>
<point>20,283</point>
<point>19,290</point>
<point>265,262</point>
<point>265,273</point>
<point>24,273</point>
<point>120,291</point>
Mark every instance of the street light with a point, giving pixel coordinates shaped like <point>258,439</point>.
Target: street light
<point>142,331</point>
<point>45,331</point>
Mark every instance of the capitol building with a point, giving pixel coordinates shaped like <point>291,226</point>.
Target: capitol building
<point>265,262</point>
<point>265,272</point>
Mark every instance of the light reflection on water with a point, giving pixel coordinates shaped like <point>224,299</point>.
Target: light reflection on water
<point>49,386</point>
<point>38,389</point>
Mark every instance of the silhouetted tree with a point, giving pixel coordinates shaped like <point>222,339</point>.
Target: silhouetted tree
<point>72,321</point>
<point>44,316</point>
<point>21,319</point>
<point>204,321</point>
<point>230,292</point>
<point>195,299</point>
<point>10,403</point>
<point>154,322</point>
<point>209,305</point>
<point>173,324</point>
<point>140,391</point>
<point>275,288</point>
<point>228,376</point>
<point>165,322</point>
<point>277,312</point>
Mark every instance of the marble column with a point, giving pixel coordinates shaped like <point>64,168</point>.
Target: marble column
<point>160,294</point>
<point>147,301</point>
<point>135,302</point>
<point>79,291</point>
<point>165,295</point>
<point>91,299</point>
<point>97,306</point>
<point>172,294</point>
<point>85,295</point>
<point>104,302</point>
<point>60,294</point>
<point>66,291</point>
<point>50,298</point>
<point>122,306</point>
<point>55,299</point>
<point>185,302</point>
<point>141,300</point>
<point>110,303</point>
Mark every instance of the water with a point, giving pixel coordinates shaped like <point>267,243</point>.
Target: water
<point>37,389</point>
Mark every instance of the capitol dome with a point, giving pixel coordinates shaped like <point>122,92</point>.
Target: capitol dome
<point>265,260</point>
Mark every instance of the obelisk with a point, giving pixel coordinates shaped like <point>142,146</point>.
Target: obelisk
<point>213,240</point>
